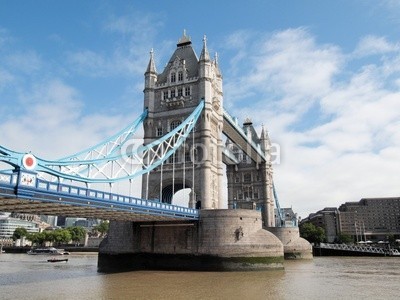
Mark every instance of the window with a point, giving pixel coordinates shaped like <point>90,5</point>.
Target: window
<point>247,177</point>
<point>237,178</point>
<point>180,92</point>
<point>188,156</point>
<point>180,76</point>
<point>175,124</point>
<point>173,77</point>
<point>173,93</point>
<point>187,91</point>
<point>159,131</point>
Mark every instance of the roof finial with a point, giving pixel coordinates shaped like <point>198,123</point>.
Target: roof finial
<point>184,40</point>
<point>204,55</point>
<point>151,67</point>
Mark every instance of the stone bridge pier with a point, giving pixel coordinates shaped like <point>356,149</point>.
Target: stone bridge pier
<point>220,240</point>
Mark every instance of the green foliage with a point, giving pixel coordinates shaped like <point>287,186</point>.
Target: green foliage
<point>345,239</point>
<point>61,236</point>
<point>77,233</point>
<point>312,233</point>
<point>19,233</point>
<point>101,229</point>
<point>58,236</point>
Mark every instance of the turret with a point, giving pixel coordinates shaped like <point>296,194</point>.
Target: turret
<point>265,141</point>
<point>150,80</point>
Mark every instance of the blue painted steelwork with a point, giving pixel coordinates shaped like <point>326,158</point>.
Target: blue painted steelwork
<point>26,185</point>
<point>110,145</point>
<point>280,211</point>
<point>112,167</point>
<point>23,183</point>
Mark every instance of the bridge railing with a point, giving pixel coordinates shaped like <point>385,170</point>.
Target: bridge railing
<point>359,248</point>
<point>32,183</point>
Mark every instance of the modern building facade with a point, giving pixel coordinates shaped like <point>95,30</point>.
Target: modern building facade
<point>9,224</point>
<point>328,219</point>
<point>370,219</point>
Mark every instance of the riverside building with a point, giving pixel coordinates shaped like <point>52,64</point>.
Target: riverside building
<point>370,219</point>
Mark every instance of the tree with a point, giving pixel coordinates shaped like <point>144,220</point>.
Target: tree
<point>101,229</point>
<point>19,233</point>
<point>312,233</point>
<point>61,236</point>
<point>38,238</point>
<point>345,238</point>
<point>77,233</point>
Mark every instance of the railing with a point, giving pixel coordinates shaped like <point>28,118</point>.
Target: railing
<point>357,248</point>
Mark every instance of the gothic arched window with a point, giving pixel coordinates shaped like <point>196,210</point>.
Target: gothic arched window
<point>175,124</point>
<point>173,77</point>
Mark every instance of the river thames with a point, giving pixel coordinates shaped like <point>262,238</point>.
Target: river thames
<point>24,276</point>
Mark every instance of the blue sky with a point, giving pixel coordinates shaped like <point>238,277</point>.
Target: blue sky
<point>322,76</point>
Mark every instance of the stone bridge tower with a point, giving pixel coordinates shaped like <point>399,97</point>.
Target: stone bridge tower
<point>250,182</point>
<point>170,96</point>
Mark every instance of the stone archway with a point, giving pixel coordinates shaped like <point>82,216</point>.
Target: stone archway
<point>169,189</point>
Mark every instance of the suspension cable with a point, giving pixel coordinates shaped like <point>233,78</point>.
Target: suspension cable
<point>147,177</point>
<point>193,158</point>
<point>173,176</point>
<point>184,164</point>
<point>161,182</point>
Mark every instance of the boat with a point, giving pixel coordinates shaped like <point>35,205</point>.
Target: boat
<point>53,260</point>
<point>47,251</point>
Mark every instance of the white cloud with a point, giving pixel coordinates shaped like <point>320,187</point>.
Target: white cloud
<point>371,45</point>
<point>349,148</point>
<point>51,123</point>
<point>287,72</point>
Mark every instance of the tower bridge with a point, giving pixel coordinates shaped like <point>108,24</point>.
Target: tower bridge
<point>184,122</point>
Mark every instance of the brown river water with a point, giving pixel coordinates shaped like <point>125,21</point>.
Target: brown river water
<point>24,276</point>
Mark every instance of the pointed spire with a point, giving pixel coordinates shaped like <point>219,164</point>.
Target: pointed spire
<point>264,139</point>
<point>216,58</point>
<point>204,53</point>
<point>151,67</point>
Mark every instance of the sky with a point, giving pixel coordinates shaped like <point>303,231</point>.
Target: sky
<point>322,76</point>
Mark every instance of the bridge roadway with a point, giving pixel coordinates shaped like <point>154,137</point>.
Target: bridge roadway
<point>23,192</point>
